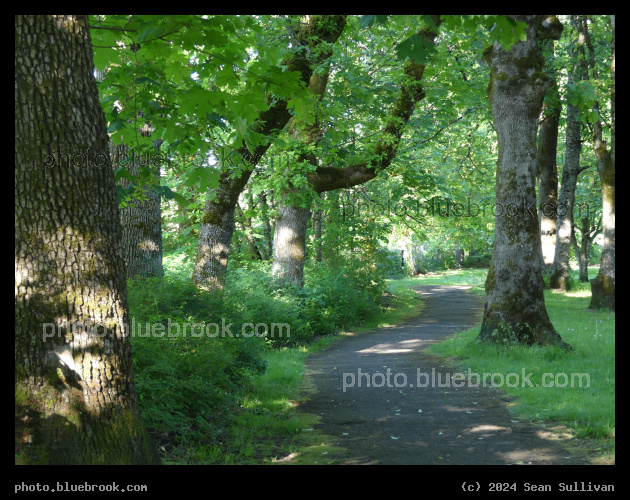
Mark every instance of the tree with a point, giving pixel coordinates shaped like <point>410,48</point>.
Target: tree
<point>571,168</point>
<point>603,286</point>
<point>589,230</point>
<point>515,306</point>
<point>290,236</point>
<point>548,174</point>
<point>218,219</point>
<point>75,401</point>
<point>140,219</point>
<point>140,207</point>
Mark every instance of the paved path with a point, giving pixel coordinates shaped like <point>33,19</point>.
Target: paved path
<point>379,394</point>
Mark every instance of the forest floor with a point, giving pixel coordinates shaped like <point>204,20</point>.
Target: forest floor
<point>384,400</point>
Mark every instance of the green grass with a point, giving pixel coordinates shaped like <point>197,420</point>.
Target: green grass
<point>588,411</point>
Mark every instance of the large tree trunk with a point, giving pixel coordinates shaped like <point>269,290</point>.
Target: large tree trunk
<point>548,174</point>
<point>75,401</point>
<point>603,286</point>
<point>217,225</point>
<point>515,305</point>
<point>215,238</point>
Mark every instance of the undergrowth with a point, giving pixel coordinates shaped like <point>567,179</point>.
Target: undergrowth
<point>196,351</point>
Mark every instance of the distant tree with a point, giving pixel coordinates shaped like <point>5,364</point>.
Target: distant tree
<point>548,173</point>
<point>571,168</point>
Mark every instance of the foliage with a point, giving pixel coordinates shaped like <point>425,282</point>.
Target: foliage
<point>185,382</point>
<point>187,377</point>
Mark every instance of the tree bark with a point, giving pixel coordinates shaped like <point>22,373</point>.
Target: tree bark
<point>515,306</point>
<point>75,401</point>
<point>603,286</point>
<point>548,174</point>
<point>141,223</point>
<point>289,244</point>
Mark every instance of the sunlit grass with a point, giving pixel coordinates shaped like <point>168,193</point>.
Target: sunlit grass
<point>583,395</point>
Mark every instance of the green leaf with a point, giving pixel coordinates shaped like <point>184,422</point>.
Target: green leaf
<point>203,177</point>
<point>415,47</point>
<point>115,126</point>
<point>103,57</point>
<point>367,21</point>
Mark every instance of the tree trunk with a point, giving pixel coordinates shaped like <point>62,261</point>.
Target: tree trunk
<point>215,238</point>
<point>560,270</point>
<point>603,286</point>
<point>459,255</point>
<point>316,238</point>
<point>548,174</point>
<point>289,244</point>
<point>515,305</point>
<point>248,231</point>
<point>141,225</point>
<point>583,249</point>
<point>289,239</point>
<point>75,401</point>
<point>267,245</point>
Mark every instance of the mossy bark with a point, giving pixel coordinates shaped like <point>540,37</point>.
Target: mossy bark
<point>75,400</point>
<point>515,306</point>
<point>603,286</point>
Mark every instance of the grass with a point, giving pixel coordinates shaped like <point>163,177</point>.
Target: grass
<point>582,400</point>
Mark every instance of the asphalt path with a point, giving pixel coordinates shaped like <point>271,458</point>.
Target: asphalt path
<point>385,401</point>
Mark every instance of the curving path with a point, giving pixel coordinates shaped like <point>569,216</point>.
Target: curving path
<point>380,395</point>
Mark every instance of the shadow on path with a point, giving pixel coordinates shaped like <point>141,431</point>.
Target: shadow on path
<point>387,402</point>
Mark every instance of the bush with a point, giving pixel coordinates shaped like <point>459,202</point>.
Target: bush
<point>185,383</point>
